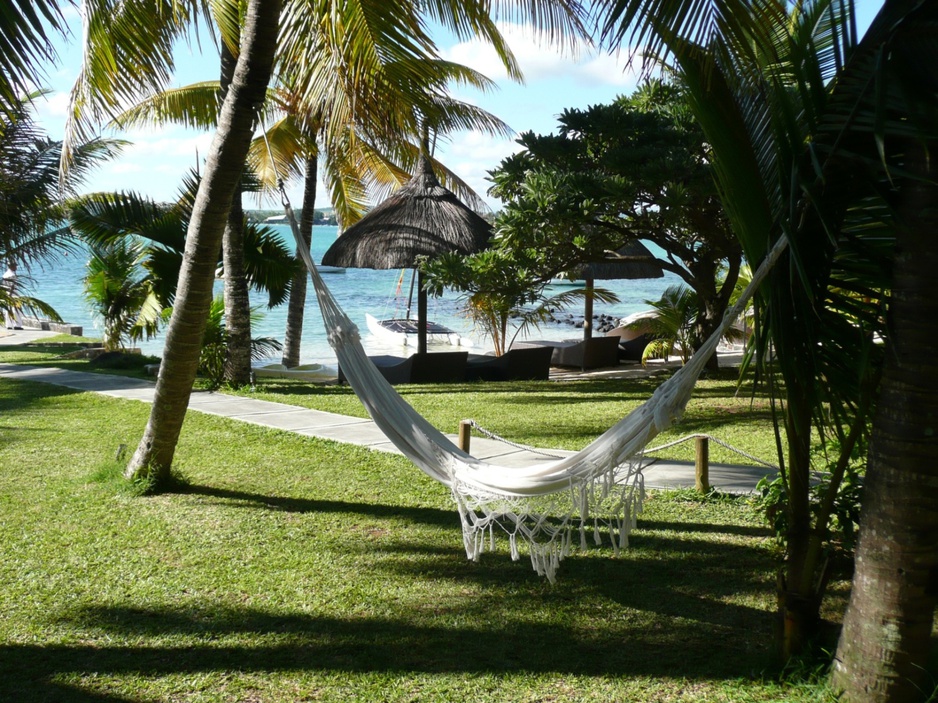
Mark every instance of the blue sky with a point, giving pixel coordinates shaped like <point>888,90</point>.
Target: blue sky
<point>156,161</point>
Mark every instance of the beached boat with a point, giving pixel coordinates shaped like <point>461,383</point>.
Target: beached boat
<point>308,372</point>
<point>563,280</point>
<point>403,332</point>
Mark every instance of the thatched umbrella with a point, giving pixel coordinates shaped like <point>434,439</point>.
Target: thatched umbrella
<point>631,262</point>
<point>422,218</point>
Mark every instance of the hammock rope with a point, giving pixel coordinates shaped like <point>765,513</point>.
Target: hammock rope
<point>598,489</point>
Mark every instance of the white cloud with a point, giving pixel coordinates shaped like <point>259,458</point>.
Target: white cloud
<point>540,61</point>
<point>473,155</point>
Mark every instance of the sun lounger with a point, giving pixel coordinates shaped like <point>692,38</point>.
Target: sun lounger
<point>439,367</point>
<point>632,342</point>
<point>593,353</point>
<point>517,364</point>
<point>433,367</point>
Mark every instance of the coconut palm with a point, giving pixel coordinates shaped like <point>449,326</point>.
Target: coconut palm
<point>30,188</point>
<point>359,160</point>
<point>834,136</point>
<point>109,218</point>
<point>398,28</point>
<point>759,77</point>
<point>215,343</point>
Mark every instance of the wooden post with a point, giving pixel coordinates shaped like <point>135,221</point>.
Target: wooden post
<point>702,465</point>
<point>465,428</point>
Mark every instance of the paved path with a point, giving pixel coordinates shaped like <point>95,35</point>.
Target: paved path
<point>341,428</point>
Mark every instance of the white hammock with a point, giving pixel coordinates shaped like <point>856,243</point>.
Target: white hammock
<point>599,487</point>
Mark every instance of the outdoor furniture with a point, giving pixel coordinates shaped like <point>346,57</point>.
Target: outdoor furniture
<point>592,353</point>
<point>517,364</point>
<point>395,369</point>
<point>439,367</point>
<point>632,342</point>
<point>435,367</point>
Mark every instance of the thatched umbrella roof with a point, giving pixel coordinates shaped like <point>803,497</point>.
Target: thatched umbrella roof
<point>632,261</point>
<point>422,218</point>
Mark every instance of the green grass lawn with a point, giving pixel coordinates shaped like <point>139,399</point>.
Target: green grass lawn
<point>294,569</point>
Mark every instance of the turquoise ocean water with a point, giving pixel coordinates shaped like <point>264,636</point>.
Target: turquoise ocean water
<point>359,291</point>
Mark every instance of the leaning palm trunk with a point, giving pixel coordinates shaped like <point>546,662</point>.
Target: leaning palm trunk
<point>294,331</point>
<point>237,298</point>
<point>154,455</point>
<point>886,636</point>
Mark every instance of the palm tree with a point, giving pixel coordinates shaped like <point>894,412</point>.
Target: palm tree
<point>214,355</point>
<point>120,292</point>
<point>884,648</point>
<point>760,80</point>
<point>672,325</point>
<point>154,455</point>
<point>359,159</point>
<point>863,181</point>
<point>30,188</point>
<point>108,219</point>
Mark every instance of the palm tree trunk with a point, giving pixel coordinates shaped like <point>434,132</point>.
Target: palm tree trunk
<point>884,646</point>
<point>294,331</point>
<point>237,299</point>
<point>154,455</point>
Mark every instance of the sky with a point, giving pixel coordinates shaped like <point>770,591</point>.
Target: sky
<point>157,159</point>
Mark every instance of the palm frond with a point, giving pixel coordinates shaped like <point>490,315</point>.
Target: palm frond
<point>195,106</point>
<point>26,48</point>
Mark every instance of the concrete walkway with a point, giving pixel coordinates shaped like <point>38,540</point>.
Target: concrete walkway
<point>729,478</point>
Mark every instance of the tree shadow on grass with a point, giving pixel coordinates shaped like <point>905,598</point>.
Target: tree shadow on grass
<point>428,516</point>
<point>226,639</point>
<point>670,605</point>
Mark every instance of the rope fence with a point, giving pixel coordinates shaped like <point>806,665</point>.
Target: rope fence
<point>651,450</point>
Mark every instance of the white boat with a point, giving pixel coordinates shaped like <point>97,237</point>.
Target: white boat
<point>329,269</point>
<point>308,372</point>
<point>404,332</point>
<point>562,280</point>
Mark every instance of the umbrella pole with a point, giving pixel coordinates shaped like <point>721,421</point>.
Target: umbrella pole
<point>588,310</point>
<point>410,295</point>
<point>421,315</point>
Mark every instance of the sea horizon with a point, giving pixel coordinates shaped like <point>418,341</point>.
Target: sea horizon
<point>359,291</point>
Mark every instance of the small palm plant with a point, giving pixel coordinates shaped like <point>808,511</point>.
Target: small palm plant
<point>120,291</point>
<point>671,326</point>
<point>214,352</point>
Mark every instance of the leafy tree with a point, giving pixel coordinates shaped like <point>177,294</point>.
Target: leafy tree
<point>499,288</point>
<point>639,168</point>
<point>834,160</point>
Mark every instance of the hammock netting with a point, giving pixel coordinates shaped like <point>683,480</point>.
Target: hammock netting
<point>551,506</point>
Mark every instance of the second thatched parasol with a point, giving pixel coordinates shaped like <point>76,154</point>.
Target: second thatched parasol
<point>631,261</point>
